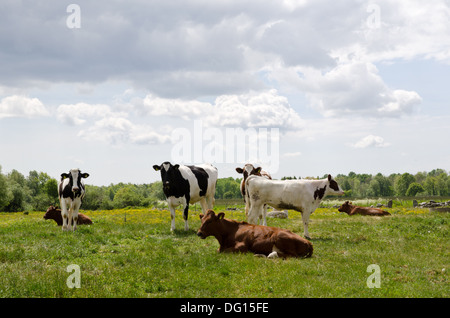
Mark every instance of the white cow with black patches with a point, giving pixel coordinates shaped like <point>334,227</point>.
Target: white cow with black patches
<point>300,195</point>
<point>184,185</point>
<point>71,191</point>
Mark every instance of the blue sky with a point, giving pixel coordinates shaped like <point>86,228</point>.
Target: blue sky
<point>350,86</point>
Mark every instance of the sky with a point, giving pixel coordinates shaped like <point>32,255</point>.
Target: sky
<point>301,88</point>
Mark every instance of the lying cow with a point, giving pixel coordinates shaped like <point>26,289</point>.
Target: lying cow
<point>55,214</point>
<point>250,170</point>
<point>300,195</point>
<point>350,209</point>
<point>186,185</point>
<point>234,236</point>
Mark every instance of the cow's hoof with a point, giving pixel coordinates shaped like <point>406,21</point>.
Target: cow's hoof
<point>260,255</point>
<point>307,237</point>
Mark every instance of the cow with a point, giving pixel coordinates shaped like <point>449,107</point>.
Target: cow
<point>234,236</point>
<point>71,192</point>
<point>250,170</point>
<point>350,209</point>
<point>187,185</point>
<point>54,213</point>
<point>300,195</point>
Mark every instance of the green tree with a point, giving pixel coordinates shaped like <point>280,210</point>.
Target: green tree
<point>414,188</point>
<point>5,194</point>
<point>402,183</point>
<point>430,185</point>
<point>126,196</point>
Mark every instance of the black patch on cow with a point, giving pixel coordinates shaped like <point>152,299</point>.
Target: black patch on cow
<point>288,206</point>
<point>334,185</point>
<point>202,178</point>
<point>319,193</point>
<point>177,185</point>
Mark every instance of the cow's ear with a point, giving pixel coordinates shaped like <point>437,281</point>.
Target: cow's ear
<point>258,170</point>
<point>156,167</point>
<point>201,216</point>
<point>329,177</point>
<point>176,166</point>
<point>85,175</point>
<point>64,176</point>
<point>239,170</point>
<point>220,215</point>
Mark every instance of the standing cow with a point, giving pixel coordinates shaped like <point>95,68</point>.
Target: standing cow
<point>188,184</point>
<point>250,170</point>
<point>71,192</point>
<point>300,195</point>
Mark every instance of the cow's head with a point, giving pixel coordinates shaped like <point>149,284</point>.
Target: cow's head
<point>168,174</point>
<point>75,176</point>
<point>52,213</point>
<point>210,224</point>
<point>249,170</point>
<point>334,187</point>
<point>346,207</point>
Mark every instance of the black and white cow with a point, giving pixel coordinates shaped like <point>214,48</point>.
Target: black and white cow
<point>187,185</point>
<point>71,192</point>
<point>250,170</point>
<point>300,195</point>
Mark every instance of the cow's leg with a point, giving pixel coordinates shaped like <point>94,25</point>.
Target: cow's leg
<point>205,206</point>
<point>69,218</point>
<point>305,219</point>
<point>254,213</point>
<point>262,217</point>
<point>274,253</point>
<point>64,214</point>
<point>172,217</point>
<point>185,215</point>
<point>209,202</point>
<point>76,207</point>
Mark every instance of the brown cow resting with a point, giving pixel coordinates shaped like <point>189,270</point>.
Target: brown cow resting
<point>234,236</point>
<point>350,209</point>
<point>55,214</point>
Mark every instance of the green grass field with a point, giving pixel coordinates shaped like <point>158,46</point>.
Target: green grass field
<point>132,253</point>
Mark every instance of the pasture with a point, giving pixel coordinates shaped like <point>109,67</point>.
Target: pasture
<point>132,253</point>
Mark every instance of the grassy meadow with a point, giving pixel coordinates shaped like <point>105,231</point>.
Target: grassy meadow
<point>132,253</point>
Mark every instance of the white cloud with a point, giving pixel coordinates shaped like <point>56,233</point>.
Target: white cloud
<point>355,88</point>
<point>257,109</point>
<point>117,130</point>
<point>21,106</point>
<point>78,114</point>
<point>371,141</point>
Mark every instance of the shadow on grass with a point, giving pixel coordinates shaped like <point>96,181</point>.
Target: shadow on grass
<point>183,233</point>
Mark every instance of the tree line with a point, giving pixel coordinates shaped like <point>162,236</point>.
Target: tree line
<point>37,191</point>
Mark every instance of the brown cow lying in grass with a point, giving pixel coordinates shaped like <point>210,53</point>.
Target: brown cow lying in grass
<point>234,236</point>
<point>55,214</point>
<point>350,209</point>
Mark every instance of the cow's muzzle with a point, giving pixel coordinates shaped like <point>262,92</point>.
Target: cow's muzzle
<point>201,235</point>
